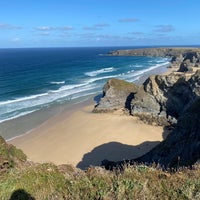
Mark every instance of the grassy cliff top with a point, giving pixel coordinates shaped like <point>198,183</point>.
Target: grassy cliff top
<point>47,181</point>
<point>120,85</point>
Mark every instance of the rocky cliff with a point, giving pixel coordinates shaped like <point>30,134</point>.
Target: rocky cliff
<point>160,100</point>
<point>180,148</point>
<point>117,94</point>
<point>177,54</point>
<point>185,57</point>
<point>166,100</point>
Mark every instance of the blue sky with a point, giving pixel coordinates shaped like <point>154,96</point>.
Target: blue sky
<point>67,23</point>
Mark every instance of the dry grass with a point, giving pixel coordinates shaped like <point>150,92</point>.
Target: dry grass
<point>134,182</point>
<point>32,181</point>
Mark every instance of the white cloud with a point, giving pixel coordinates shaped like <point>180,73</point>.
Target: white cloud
<point>96,26</point>
<point>102,25</point>
<point>137,33</point>
<point>44,28</point>
<point>125,20</point>
<point>15,39</point>
<point>45,33</point>
<point>164,28</point>
<point>9,26</point>
<point>65,28</point>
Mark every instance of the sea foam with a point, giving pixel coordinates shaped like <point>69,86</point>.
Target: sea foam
<point>100,71</point>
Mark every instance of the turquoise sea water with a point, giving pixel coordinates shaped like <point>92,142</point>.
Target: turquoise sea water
<point>33,79</point>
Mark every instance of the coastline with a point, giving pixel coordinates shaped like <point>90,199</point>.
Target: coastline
<point>82,138</point>
<point>23,125</point>
<point>79,137</point>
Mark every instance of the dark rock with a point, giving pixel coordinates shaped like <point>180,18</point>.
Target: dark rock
<point>169,99</point>
<point>180,148</point>
<point>176,54</point>
<point>156,99</point>
<point>160,100</point>
<point>191,56</point>
<point>183,67</point>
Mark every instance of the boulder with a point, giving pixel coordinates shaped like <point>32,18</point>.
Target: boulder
<point>184,67</point>
<point>117,94</point>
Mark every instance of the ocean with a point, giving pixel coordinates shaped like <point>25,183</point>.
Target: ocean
<point>33,79</point>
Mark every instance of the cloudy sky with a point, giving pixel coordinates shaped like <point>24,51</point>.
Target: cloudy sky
<point>67,23</point>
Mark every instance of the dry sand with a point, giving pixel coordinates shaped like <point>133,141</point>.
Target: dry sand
<point>83,138</point>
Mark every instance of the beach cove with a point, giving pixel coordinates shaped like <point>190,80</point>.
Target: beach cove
<point>76,136</point>
<point>83,138</point>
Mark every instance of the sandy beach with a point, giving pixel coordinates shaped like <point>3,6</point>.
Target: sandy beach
<point>83,138</point>
<point>79,137</point>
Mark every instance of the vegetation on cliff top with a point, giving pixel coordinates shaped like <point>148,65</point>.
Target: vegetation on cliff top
<point>120,85</point>
<point>47,181</point>
<point>22,179</point>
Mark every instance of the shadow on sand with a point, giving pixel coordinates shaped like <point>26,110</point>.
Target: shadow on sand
<point>115,151</point>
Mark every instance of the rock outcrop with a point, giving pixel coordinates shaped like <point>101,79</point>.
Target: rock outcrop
<point>180,148</point>
<point>189,56</point>
<point>177,54</point>
<point>163,98</point>
<point>166,100</point>
<point>117,94</point>
<point>160,100</point>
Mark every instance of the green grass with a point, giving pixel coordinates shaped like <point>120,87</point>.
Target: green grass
<point>24,180</point>
<point>46,181</point>
<point>10,156</point>
<point>41,181</point>
<point>121,85</point>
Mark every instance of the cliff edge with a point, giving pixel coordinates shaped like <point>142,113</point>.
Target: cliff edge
<point>168,100</point>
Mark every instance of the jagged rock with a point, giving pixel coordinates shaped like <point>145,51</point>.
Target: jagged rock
<point>180,148</point>
<point>185,67</point>
<point>160,100</point>
<point>165,97</point>
<point>177,59</point>
<point>177,55</point>
<point>191,56</point>
<point>168,99</point>
<point>117,94</point>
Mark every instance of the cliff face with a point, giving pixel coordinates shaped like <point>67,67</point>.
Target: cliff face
<point>185,57</point>
<point>165,97</point>
<point>182,146</point>
<point>177,54</point>
<point>160,100</point>
<point>166,100</point>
